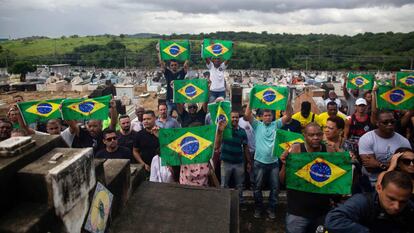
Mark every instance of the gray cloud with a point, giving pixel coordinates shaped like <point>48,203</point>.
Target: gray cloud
<point>278,6</point>
<point>91,17</point>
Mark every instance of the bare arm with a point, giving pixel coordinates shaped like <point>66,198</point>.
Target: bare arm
<point>247,157</point>
<point>219,135</point>
<point>113,114</point>
<point>346,130</point>
<point>73,127</point>
<point>344,89</point>
<point>374,105</point>
<point>162,63</point>
<point>295,148</point>
<point>138,157</point>
<point>405,120</point>
<point>205,106</point>
<point>288,114</point>
<point>180,108</point>
<point>186,65</point>
<point>248,114</point>
<point>21,122</point>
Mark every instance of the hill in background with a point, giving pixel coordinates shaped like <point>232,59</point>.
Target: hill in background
<point>376,51</point>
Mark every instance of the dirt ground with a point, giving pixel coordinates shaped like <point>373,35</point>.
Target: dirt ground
<point>249,224</point>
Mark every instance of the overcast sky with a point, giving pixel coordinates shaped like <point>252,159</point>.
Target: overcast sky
<point>54,18</point>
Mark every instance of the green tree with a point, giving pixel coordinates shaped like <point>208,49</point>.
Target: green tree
<point>22,68</point>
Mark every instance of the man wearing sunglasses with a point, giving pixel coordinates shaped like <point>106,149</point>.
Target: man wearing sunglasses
<point>377,146</point>
<point>112,149</point>
<point>186,118</point>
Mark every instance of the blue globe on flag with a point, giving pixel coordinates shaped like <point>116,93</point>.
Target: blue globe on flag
<point>269,96</point>
<point>86,106</point>
<point>190,91</point>
<point>174,50</point>
<point>44,108</point>
<point>217,49</point>
<point>397,95</point>
<point>320,172</point>
<point>189,145</point>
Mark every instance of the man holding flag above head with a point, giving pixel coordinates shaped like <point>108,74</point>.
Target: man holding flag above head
<point>172,53</point>
<point>265,163</point>
<point>217,54</point>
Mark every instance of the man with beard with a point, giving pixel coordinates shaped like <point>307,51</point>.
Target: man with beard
<point>234,154</point>
<point>164,121</point>
<point>90,135</point>
<point>126,136</point>
<point>112,150</point>
<point>136,124</point>
<point>377,146</point>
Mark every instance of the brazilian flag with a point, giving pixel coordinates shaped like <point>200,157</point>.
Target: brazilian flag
<point>217,49</point>
<point>178,50</point>
<point>384,82</point>
<point>187,145</point>
<point>43,110</point>
<point>86,108</point>
<point>360,81</point>
<point>284,139</point>
<point>191,91</point>
<point>221,112</point>
<point>322,172</point>
<point>269,97</point>
<point>395,98</point>
<point>405,80</point>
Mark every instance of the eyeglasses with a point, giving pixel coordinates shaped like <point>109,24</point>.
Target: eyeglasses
<point>111,139</point>
<point>389,122</point>
<point>407,161</point>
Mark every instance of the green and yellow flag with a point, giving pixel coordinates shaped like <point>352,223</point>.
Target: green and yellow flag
<point>221,112</point>
<point>360,81</point>
<point>191,91</point>
<point>284,139</point>
<point>327,173</point>
<point>43,110</point>
<point>187,145</point>
<point>405,80</point>
<point>217,49</point>
<point>395,98</point>
<point>86,108</point>
<point>178,50</point>
<point>269,97</point>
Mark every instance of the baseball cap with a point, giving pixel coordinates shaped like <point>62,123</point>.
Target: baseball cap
<point>360,101</point>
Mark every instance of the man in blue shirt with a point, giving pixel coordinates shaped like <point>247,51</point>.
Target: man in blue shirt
<point>265,163</point>
<point>164,121</point>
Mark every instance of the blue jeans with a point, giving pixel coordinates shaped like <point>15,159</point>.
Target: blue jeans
<point>170,107</point>
<point>215,94</point>
<point>299,224</point>
<point>235,169</point>
<point>271,171</point>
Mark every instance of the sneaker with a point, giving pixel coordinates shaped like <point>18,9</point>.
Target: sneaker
<point>271,214</point>
<point>257,213</point>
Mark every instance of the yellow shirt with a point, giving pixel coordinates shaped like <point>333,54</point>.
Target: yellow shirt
<point>323,117</point>
<point>304,121</point>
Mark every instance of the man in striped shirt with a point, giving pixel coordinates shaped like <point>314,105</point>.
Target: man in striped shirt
<point>234,153</point>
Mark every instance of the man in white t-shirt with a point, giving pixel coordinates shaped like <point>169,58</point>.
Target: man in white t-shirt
<point>217,83</point>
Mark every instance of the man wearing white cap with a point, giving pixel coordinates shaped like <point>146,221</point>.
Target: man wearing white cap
<point>359,122</point>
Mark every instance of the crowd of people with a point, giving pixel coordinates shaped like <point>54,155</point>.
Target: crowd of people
<point>380,143</point>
